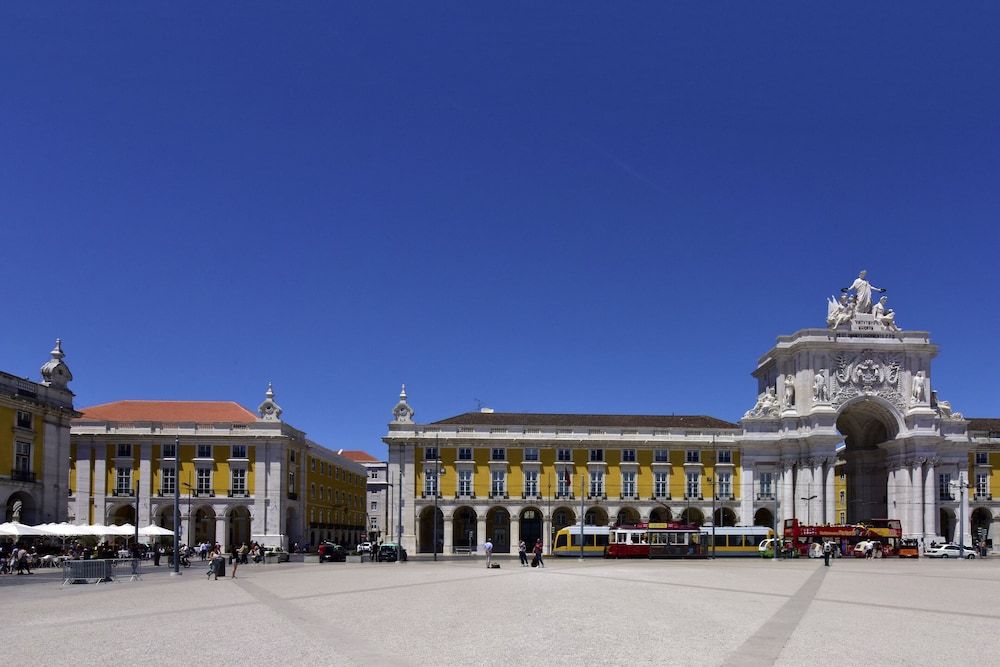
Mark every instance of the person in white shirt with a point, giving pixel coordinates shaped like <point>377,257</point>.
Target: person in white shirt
<point>488,548</point>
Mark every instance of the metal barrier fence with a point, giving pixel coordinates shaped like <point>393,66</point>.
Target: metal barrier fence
<point>101,571</point>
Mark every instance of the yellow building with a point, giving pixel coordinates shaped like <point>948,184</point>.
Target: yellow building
<point>239,476</point>
<point>35,443</point>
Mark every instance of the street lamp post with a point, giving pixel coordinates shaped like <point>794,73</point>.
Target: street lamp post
<point>809,500</point>
<point>177,506</point>
<point>437,492</point>
<point>962,486</point>
<point>711,480</point>
<point>190,501</point>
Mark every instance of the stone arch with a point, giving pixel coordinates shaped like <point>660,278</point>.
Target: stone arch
<point>203,520</point>
<point>661,515</point>
<point>119,515</point>
<point>425,535</point>
<point>530,525</point>
<point>763,517</point>
<point>947,523</point>
<point>692,515</point>
<point>724,517</point>
<point>464,528</point>
<point>238,521</point>
<point>865,422</point>
<point>498,528</point>
<point>627,515</point>
<point>596,516</point>
<point>981,519</point>
<point>21,507</point>
<point>562,517</point>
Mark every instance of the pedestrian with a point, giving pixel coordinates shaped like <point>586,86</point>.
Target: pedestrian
<point>488,548</point>
<point>243,553</point>
<point>234,556</point>
<point>157,550</point>
<point>522,552</point>
<point>538,553</point>
<point>827,549</point>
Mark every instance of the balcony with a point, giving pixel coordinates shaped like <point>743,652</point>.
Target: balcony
<point>203,493</point>
<point>292,495</point>
<point>565,496</point>
<point>982,496</point>
<point>765,496</point>
<point>531,495</point>
<point>944,495</point>
<point>660,496</point>
<point>22,476</point>
<point>123,493</point>
<point>165,493</point>
<point>725,497</point>
<point>428,494</point>
<point>238,493</point>
<point>693,496</point>
<point>499,496</point>
<point>597,496</point>
<point>470,496</point>
<point>628,496</point>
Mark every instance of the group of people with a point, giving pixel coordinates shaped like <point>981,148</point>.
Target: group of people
<point>16,557</point>
<point>522,552</point>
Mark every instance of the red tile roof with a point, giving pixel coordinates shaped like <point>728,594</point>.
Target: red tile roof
<point>359,456</point>
<point>170,412</point>
<point>626,421</point>
<point>983,424</point>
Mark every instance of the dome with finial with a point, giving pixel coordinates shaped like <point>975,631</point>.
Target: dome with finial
<point>269,410</point>
<point>402,412</point>
<point>55,372</point>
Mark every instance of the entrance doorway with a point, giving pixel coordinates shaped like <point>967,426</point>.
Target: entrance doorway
<point>531,526</point>
<point>866,423</point>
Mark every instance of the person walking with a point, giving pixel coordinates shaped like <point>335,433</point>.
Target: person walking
<point>827,550</point>
<point>488,548</point>
<point>522,552</point>
<point>538,553</point>
<point>234,556</point>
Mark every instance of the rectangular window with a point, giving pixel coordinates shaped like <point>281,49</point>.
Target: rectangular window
<point>498,454</point>
<point>564,455</point>
<point>628,456</point>
<point>465,482</point>
<point>693,486</point>
<point>982,458</point>
<point>124,450</point>
<point>465,453</point>
<point>291,484</point>
<point>204,451</point>
<point>312,465</point>
<point>944,487</point>
<point>123,482</point>
<point>204,481</point>
<point>168,481</point>
<point>291,456</point>
<point>22,457</point>
<point>374,506</point>
<point>661,484</point>
<point>692,456</point>
<point>373,474</point>
<point>430,482</point>
<point>982,485</point>
<point>661,456</point>
<point>766,486</point>
<point>498,482</point>
<point>170,451</point>
<point>239,451</point>
<point>564,484</point>
<point>843,497</point>
<point>531,482</point>
<point>725,456</point>
<point>725,482</point>
<point>430,454</point>
<point>239,481</point>
<point>531,454</point>
<point>596,483</point>
<point>23,419</point>
<point>596,454</point>
<point>628,484</point>
<point>843,518</point>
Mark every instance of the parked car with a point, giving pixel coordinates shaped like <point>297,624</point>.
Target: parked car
<point>365,548</point>
<point>949,551</point>
<point>390,552</point>
<point>275,552</point>
<point>328,551</point>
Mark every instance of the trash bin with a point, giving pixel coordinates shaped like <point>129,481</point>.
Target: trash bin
<point>220,567</point>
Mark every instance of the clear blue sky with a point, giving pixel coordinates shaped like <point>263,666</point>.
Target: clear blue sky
<point>549,207</point>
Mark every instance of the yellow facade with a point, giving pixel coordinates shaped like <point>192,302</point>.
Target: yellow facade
<point>335,490</point>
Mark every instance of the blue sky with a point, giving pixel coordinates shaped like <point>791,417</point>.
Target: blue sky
<point>547,207</point>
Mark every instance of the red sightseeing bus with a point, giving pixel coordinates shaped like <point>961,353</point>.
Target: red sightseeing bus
<point>888,532</point>
<point>655,540</point>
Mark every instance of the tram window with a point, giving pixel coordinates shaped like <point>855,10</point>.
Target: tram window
<point>602,540</point>
<point>561,540</point>
<point>574,540</point>
<point>720,540</point>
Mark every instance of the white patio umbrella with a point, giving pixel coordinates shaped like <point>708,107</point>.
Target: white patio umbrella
<point>64,529</point>
<point>15,529</point>
<point>155,531</point>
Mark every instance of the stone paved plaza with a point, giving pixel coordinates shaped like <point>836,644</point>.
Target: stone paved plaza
<point>724,612</point>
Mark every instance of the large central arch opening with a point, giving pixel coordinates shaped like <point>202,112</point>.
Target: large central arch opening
<point>866,423</point>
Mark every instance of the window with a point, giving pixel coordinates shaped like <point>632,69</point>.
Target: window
<point>22,457</point>
<point>725,482</point>
<point>725,456</point>
<point>430,453</point>
<point>596,483</point>
<point>239,481</point>
<point>374,505</point>
<point>628,484</point>
<point>565,455</point>
<point>564,485</point>
<point>944,486</point>
<point>204,481</point>
<point>531,454</point>
<point>498,454</point>
<point>124,450</point>
<point>168,481</point>
<point>693,456</point>
<point>239,451</point>
<point>661,484</point>
<point>465,482</point>
<point>843,518</point>
<point>498,482</point>
<point>170,451</point>
<point>766,486</point>
<point>291,482</point>
<point>123,482</point>
<point>465,453</point>
<point>843,497</point>
<point>336,473</point>
<point>628,456</point>
<point>661,456</point>
<point>291,456</point>
<point>982,458</point>
<point>430,482</point>
<point>24,419</point>
<point>693,487</point>
<point>312,464</point>
<point>204,452</point>
<point>531,483</point>
<point>373,474</point>
<point>596,454</point>
<point>982,485</point>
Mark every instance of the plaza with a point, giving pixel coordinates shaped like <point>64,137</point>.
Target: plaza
<point>735,612</point>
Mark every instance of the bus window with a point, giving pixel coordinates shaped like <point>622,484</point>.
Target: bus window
<point>561,540</point>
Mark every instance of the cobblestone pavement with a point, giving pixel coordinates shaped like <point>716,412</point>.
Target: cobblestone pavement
<point>723,612</point>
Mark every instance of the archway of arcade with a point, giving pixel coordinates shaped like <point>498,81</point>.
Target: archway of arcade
<point>428,532</point>
<point>865,424</point>
<point>498,529</point>
<point>464,533</point>
<point>530,524</point>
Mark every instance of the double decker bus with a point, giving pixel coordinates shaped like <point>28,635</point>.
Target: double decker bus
<point>655,540</point>
<point>888,532</point>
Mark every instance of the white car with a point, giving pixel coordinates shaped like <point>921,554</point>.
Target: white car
<point>949,551</point>
<point>365,548</point>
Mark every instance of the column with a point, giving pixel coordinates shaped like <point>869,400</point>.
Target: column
<point>100,482</point>
<point>221,534</point>
<point>449,545</point>
<point>892,494</point>
<point>145,504</point>
<point>746,496</point>
<point>82,490</point>
<point>963,480</point>
<point>515,531</point>
<point>830,493</point>
<point>480,531</point>
<point>787,493</point>
<point>547,534</point>
<point>930,503</point>
<point>916,528</point>
<point>818,490</point>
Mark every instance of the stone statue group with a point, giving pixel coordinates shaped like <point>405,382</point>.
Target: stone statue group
<point>857,299</point>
